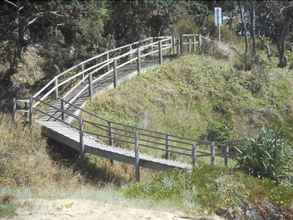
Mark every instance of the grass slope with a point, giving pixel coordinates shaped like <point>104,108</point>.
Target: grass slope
<point>201,97</point>
<point>197,96</point>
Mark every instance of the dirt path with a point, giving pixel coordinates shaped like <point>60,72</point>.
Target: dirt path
<point>91,210</point>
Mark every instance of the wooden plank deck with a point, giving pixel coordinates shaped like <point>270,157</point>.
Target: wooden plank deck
<point>69,136</point>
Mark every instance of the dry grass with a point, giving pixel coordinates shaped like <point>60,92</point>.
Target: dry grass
<point>24,160</point>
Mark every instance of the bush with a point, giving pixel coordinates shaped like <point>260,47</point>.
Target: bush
<point>267,155</point>
<point>217,131</point>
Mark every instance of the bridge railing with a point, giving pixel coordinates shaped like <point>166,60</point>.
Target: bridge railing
<point>164,145</point>
<point>91,71</point>
<point>67,86</point>
<point>64,83</point>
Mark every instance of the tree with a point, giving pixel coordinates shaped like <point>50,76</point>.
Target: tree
<point>275,22</point>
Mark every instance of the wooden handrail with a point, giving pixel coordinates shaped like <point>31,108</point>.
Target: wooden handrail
<point>115,131</point>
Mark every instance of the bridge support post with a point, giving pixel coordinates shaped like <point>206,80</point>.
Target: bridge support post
<point>115,73</point>
<point>130,50</point>
<point>173,44</point>
<point>56,88</point>
<point>178,47</point>
<point>136,153</point>
<point>81,140</point>
<point>167,147</point>
<point>30,112</point>
<point>190,45</point>
<point>138,61</point>
<point>91,86</point>
<point>181,44</point>
<point>213,153</point>
<point>194,43</point>
<point>226,155</point>
<point>110,135</point>
<point>160,52</point>
<point>14,110</point>
<point>82,69</point>
<point>199,43</point>
<point>108,57</point>
<point>62,109</point>
<point>193,155</point>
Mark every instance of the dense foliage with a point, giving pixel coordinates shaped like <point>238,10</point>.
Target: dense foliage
<point>267,155</point>
<point>214,189</point>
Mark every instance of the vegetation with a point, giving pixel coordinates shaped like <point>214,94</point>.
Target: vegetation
<point>201,97</point>
<point>25,160</point>
<point>267,155</point>
<point>213,188</point>
<point>205,98</point>
<point>247,95</point>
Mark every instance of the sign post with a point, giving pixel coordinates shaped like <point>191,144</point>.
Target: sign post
<point>218,20</point>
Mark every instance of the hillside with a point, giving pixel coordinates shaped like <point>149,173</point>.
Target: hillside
<point>204,98</point>
<point>201,97</point>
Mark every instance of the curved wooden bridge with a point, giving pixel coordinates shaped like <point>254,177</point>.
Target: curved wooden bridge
<point>58,108</point>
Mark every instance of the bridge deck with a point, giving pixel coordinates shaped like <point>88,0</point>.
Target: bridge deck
<point>69,136</point>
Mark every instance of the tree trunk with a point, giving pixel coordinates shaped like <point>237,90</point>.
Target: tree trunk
<point>282,45</point>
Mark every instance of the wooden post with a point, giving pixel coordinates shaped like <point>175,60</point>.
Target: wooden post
<point>194,154</point>
<point>226,155</point>
<point>14,110</point>
<point>82,69</point>
<point>115,73</point>
<point>108,57</point>
<point>138,61</point>
<point>178,47</point>
<point>194,43</point>
<point>167,147</point>
<point>62,110</point>
<point>110,135</point>
<point>160,52</point>
<point>91,85</point>
<point>130,50</point>
<point>27,111</point>
<point>190,44</point>
<point>81,140</point>
<point>30,114</point>
<point>171,48</point>
<point>213,153</point>
<point>199,43</point>
<point>136,153</point>
<point>181,44</point>
<point>173,44</point>
<point>56,88</point>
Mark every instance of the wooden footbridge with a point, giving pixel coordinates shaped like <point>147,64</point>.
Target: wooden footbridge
<point>58,109</point>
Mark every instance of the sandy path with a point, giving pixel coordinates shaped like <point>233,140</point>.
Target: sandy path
<point>90,210</point>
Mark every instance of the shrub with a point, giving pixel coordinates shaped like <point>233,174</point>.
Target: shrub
<point>186,26</point>
<point>267,155</point>
<point>217,131</point>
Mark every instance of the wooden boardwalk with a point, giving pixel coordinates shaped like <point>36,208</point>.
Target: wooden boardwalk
<point>57,107</point>
<point>70,137</point>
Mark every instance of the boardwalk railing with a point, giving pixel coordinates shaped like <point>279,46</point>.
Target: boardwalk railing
<point>68,86</point>
<point>82,77</point>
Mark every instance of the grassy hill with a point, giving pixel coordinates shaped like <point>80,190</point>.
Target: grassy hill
<point>201,97</point>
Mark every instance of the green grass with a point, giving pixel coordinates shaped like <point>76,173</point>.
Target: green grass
<point>211,188</point>
<point>202,98</point>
